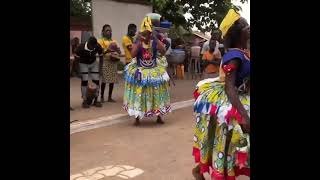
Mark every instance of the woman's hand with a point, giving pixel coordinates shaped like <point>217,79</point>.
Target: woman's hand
<point>140,39</point>
<point>245,126</point>
<point>156,35</point>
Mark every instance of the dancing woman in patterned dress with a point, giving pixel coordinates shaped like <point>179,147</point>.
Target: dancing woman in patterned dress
<point>222,107</point>
<point>146,80</point>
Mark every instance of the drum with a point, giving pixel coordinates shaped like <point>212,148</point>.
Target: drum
<point>91,92</point>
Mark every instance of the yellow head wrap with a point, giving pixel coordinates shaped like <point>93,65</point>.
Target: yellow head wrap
<point>147,21</point>
<point>231,17</point>
<point>146,24</point>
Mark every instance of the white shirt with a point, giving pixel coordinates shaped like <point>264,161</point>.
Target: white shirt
<point>206,47</point>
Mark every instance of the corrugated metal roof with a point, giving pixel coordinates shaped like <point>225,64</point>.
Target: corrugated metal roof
<point>201,35</point>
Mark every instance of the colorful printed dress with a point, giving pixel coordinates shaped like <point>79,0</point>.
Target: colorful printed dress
<point>217,120</point>
<point>146,84</point>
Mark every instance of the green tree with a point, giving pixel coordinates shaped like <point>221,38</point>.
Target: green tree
<point>80,8</point>
<point>206,14</point>
<point>170,11</point>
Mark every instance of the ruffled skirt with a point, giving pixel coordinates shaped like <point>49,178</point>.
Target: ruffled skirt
<point>220,147</point>
<point>146,90</point>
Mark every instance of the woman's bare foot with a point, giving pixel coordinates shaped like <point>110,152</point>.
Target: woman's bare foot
<point>196,173</point>
<point>137,123</point>
<point>159,120</point>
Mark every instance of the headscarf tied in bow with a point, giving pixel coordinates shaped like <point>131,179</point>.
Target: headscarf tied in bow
<point>231,17</point>
<point>146,24</point>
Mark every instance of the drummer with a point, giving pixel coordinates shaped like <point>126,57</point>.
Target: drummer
<point>89,66</point>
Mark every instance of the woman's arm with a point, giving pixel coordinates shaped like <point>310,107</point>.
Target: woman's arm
<point>107,51</point>
<point>233,95</point>
<point>161,47</point>
<point>118,50</point>
<point>136,45</point>
<point>135,48</point>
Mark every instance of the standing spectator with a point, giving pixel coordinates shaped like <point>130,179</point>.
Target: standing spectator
<point>75,42</point>
<point>70,66</point>
<point>127,41</point>
<point>89,66</point>
<point>110,63</point>
<point>74,61</point>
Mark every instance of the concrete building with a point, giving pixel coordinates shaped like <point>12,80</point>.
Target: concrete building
<point>119,14</point>
<point>80,27</point>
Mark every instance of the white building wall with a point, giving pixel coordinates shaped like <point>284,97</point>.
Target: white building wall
<point>118,15</point>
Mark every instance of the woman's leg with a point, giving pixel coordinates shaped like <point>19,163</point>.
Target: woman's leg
<point>159,120</point>
<point>111,85</point>
<point>103,87</point>
<point>196,173</point>
<point>229,165</point>
<point>223,154</point>
<point>137,123</point>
